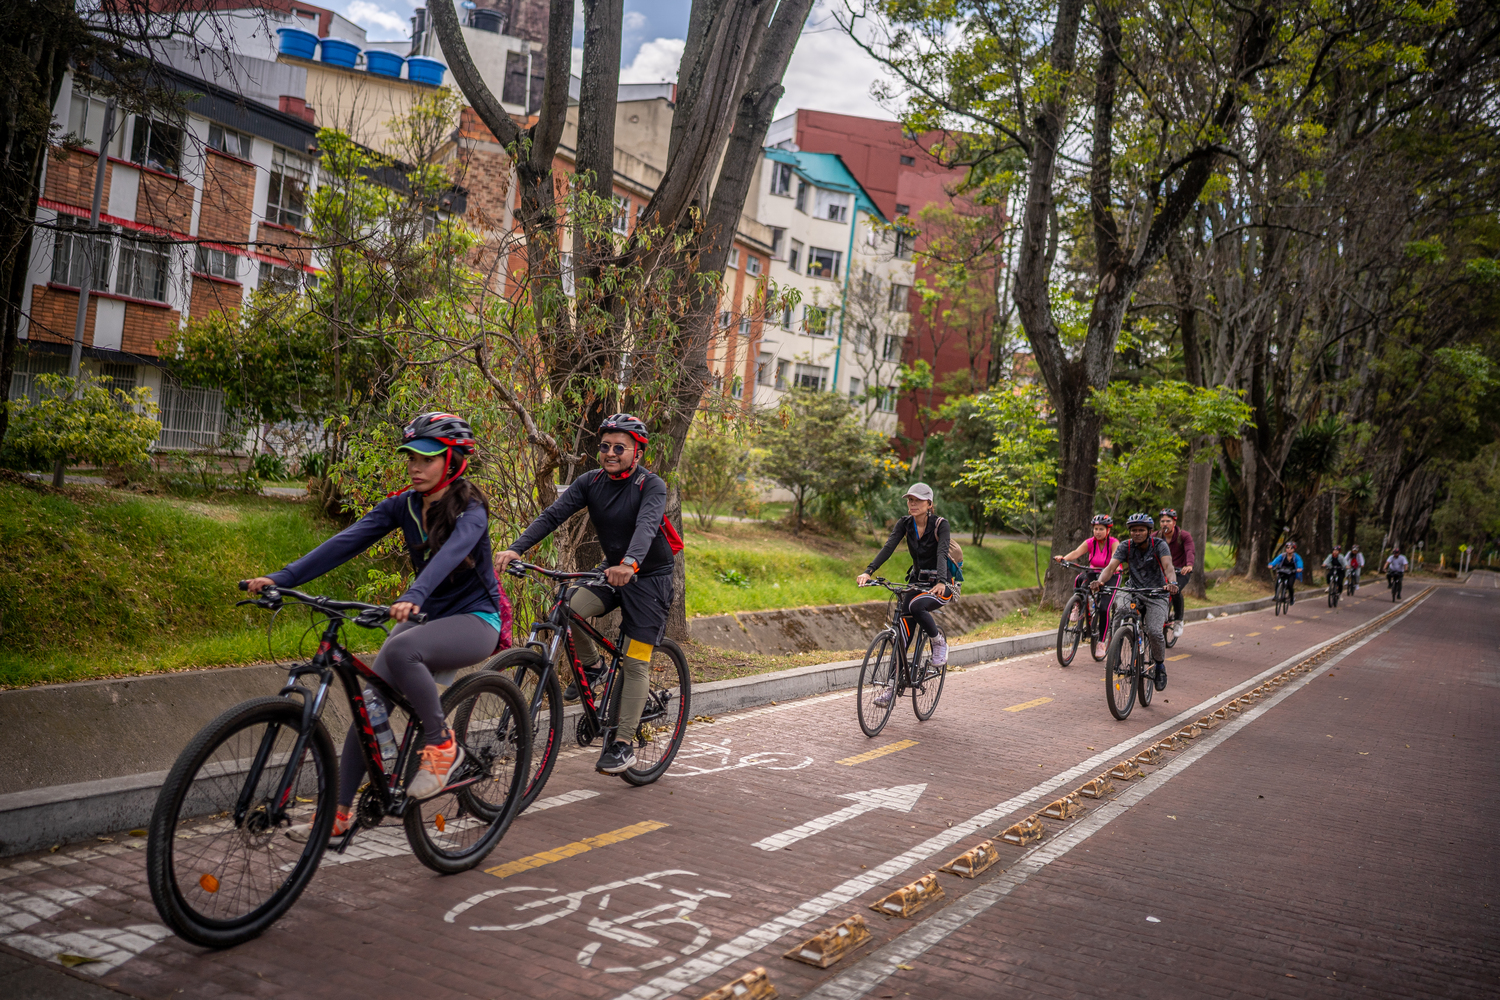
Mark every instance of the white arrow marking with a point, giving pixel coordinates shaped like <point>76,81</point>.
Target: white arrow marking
<point>900,798</point>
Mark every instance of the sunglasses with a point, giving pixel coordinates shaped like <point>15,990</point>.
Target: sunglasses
<point>611,449</point>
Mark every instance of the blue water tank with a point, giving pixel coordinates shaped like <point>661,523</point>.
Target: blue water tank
<point>383,63</point>
<point>297,43</point>
<point>337,52</point>
<point>420,69</point>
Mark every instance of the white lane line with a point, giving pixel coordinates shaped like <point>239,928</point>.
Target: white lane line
<point>883,963</point>
<point>768,933</point>
<point>900,798</point>
<point>553,801</point>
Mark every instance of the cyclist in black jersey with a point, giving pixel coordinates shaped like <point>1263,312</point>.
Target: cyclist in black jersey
<point>627,505</point>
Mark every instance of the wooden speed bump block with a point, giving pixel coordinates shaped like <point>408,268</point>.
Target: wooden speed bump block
<point>1097,788</point>
<point>1126,771</point>
<point>909,899</point>
<point>1150,755</point>
<point>1024,832</point>
<point>1206,723</point>
<point>1221,713</point>
<point>1190,733</point>
<point>1064,808</point>
<point>753,985</point>
<point>973,861</point>
<point>826,947</point>
<point>1170,743</point>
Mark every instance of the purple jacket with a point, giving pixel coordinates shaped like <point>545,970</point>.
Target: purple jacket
<point>1183,552</point>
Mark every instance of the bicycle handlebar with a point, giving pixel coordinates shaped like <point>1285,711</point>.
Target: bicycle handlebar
<point>895,588</point>
<point>370,615</point>
<point>519,568</point>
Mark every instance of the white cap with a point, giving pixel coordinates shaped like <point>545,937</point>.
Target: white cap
<point>921,491</point>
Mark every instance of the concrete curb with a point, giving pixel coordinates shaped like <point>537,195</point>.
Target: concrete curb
<point>38,818</point>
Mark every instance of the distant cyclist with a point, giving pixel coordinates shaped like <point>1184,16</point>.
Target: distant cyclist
<point>1337,565</point>
<point>1289,565</point>
<point>1098,548</point>
<point>1396,566</point>
<point>926,537</point>
<point>1356,566</point>
<point>444,520</point>
<point>1183,554</point>
<point>627,505</point>
<point>1150,563</point>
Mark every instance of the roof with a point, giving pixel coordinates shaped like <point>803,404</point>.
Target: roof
<point>827,170</point>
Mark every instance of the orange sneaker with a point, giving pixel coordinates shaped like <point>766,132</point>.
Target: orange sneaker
<point>438,762</point>
<point>341,822</point>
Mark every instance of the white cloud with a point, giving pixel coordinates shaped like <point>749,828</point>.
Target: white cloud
<point>657,61</point>
<point>372,16</point>
<point>829,72</point>
<point>634,20</point>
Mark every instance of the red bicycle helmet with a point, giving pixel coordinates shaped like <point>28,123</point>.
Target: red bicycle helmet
<point>1104,519</point>
<point>444,428</point>
<point>625,423</point>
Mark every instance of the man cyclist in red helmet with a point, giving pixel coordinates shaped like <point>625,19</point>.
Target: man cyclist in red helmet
<point>627,505</point>
<point>1180,544</point>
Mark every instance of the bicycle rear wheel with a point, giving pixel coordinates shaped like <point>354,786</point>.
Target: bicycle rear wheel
<point>665,717</point>
<point>877,677</point>
<point>220,870</point>
<point>1119,683</point>
<point>1145,679</point>
<point>455,829</point>
<point>1169,635</point>
<point>1098,635</point>
<point>1070,629</point>
<point>525,667</point>
<point>928,687</point>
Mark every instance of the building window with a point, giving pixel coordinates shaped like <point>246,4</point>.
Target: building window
<point>120,377</point>
<point>622,215</point>
<point>892,349</point>
<point>565,263</point>
<point>905,241</point>
<point>737,387</point>
<point>279,280</point>
<point>899,297</point>
<point>885,399</point>
<point>286,198</point>
<point>763,368</point>
<point>776,237</point>
<point>781,369</point>
<point>781,179</point>
<point>734,259</point>
<point>815,321</point>
<point>724,319</point>
<point>192,419</point>
<point>745,327</point>
<point>786,317</point>
<point>227,141</point>
<point>908,161</point>
<point>70,250</point>
<point>823,263</point>
<point>157,146</point>
<point>219,263</point>
<point>86,118</point>
<point>864,338</point>
<point>801,196</point>
<point>814,377</point>
<point>794,256</point>
<point>831,205</point>
<point>143,270</point>
<point>902,209</point>
<point>855,388</point>
<point>752,265</point>
<point>23,380</point>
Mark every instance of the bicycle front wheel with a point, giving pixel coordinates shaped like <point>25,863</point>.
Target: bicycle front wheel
<point>664,719</point>
<point>1169,636</point>
<point>928,687</point>
<point>1145,679</point>
<point>526,667</point>
<point>455,829</point>
<point>1119,683</point>
<point>877,681</point>
<point>1070,630</point>
<point>221,870</point>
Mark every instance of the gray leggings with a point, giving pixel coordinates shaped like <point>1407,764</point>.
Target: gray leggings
<point>407,661</point>
<point>636,671</point>
<point>1153,617</point>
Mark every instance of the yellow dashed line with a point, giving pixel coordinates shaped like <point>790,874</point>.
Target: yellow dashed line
<point>1278,628</point>
<point>1251,635</point>
<point>1179,656</point>
<point>577,847</point>
<point>877,752</point>
<point>1033,703</point>
<point>1224,643</point>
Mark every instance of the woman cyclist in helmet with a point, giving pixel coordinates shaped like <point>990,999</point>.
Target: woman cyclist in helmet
<point>1098,548</point>
<point>1150,563</point>
<point>445,522</point>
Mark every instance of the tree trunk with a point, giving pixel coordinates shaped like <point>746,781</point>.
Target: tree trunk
<point>1199,470</point>
<point>677,623</point>
<point>1195,516</point>
<point>1078,475</point>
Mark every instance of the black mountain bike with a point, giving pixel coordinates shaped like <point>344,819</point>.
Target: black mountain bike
<point>1351,583</point>
<point>1393,580</point>
<point>534,665</point>
<point>1335,586</point>
<point>1126,674</point>
<point>1285,596</point>
<point>218,860</point>
<point>1083,615</point>
<point>898,660</point>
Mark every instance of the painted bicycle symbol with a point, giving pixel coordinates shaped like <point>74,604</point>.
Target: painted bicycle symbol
<point>631,929</point>
<point>717,757</point>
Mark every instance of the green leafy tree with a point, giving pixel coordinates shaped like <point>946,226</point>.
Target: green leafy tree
<point>816,446</point>
<point>717,468</point>
<point>969,437</point>
<point>82,420</point>
<point>1016,476</point>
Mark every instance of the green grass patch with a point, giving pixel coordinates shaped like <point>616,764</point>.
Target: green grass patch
<point>98,582</point>
<point>756,567</point>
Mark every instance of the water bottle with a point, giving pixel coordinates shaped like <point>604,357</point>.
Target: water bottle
<point>380,721</point>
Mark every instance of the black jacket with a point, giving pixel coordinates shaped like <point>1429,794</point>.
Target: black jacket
<point>627,515</point>
<point>929,553</point>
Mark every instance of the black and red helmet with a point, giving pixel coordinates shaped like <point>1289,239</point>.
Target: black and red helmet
<point>1169,512</point>
<point>443,428</point>
<point>1104,519</point>
<point>625,423</point>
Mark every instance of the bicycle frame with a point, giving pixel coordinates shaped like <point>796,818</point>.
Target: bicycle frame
<point>902,627</point>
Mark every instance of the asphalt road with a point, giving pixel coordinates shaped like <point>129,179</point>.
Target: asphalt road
<point>1334,838</point>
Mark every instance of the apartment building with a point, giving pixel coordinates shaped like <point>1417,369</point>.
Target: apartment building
<point>852,275</point>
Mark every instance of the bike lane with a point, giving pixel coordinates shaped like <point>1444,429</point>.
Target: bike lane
<point>614,892</point>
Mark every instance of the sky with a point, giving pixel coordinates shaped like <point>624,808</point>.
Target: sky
<point>828,72</point>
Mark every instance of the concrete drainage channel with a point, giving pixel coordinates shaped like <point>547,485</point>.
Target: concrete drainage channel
<point>92,731</point>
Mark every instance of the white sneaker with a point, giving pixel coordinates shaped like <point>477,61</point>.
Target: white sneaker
<point>884,697</point>
<point>1177,630</point>
<point>437,764</point>
<point>939,651</point>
